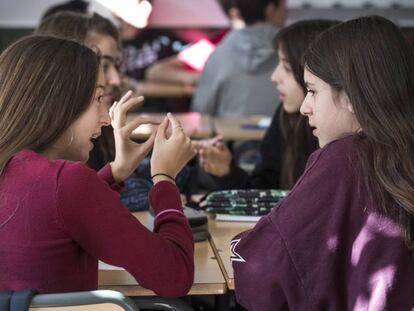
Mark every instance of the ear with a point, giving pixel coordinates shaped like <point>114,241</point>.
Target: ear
<point>270,11</point>
<point>350,108</point>
<point>345,102</point>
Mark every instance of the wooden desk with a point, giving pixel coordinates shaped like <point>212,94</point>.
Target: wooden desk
<point>194,124</point>
<point>208,278</point>
<point>231,128</point>
<point>221,233</point>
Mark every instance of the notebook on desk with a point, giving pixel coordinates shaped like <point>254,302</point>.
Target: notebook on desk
<point>242,205</point>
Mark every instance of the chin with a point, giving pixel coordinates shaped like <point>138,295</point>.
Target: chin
<point>290,110</point>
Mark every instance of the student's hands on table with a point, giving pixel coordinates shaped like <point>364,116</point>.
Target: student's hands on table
<point>214,156</point>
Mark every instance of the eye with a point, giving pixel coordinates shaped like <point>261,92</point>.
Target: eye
<point>105,67</point>
<point>118,65</point>
<point>312,92</point>
<point>100,98</point>
<point>287,68</point>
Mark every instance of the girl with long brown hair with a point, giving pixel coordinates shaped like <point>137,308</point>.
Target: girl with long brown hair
<point>343,237</point>
<point>289,141</point>
<point>57,216</point>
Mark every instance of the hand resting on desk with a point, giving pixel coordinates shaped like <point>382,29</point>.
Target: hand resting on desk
<point>214,156</point>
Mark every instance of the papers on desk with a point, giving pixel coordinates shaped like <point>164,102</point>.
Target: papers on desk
<point>238,218</point>
<point>104,266</point>
<point>262,124</point>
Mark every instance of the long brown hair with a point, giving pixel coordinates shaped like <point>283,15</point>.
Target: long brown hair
<point>77,26</point>
<point>373,63</point>
<point>300,142</point>
<point>45,84</point>
<point>83,28</point>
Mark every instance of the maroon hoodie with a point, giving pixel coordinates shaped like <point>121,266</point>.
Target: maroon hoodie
<point>325,246</point>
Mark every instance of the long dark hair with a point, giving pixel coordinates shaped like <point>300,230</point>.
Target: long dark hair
<point>373,63</point>
<point>78,27</point>
<point>45,84</point>
<point>83,28</point>
<point>300,142</point>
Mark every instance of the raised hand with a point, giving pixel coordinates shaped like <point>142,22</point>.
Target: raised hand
<point>128,154</point>
<point>172,153</point>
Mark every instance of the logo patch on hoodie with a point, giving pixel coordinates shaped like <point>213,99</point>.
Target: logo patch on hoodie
<point>234,255</point>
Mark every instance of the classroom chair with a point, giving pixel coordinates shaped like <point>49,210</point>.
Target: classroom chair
<point>98,300</point>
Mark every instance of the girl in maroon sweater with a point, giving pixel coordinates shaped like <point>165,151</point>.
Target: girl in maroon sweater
<point>343,237</point>
<point>57,216</point>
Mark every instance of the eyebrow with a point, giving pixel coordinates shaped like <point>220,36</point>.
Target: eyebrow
<point>111,59</point>
<point>307,84</point>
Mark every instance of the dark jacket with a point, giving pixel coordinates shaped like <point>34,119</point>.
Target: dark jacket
<point>267,172</point>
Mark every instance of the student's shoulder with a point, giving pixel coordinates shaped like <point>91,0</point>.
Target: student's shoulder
<point>70,171</point>
<point>337,153</point>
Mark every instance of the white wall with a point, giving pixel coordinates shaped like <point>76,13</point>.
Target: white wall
<point>23,13</point>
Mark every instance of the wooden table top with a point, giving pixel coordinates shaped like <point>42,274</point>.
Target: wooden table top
<point>240,128</point>
<point>208,278</point>
<point>221,233</point>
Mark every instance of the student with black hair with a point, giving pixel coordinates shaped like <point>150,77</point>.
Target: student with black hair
<point>288,142</point>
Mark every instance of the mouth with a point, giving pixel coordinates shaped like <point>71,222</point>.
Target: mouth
<point>281,96</point>
<point>94,137</point>
<point>314,129</point>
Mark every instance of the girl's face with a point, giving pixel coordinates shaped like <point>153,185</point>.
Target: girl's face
<point>290,92</point>
<point>76,142</point>
<point>330,114</point>
<point>111,59</point>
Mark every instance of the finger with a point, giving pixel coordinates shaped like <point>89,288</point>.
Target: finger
<point>126,96</point>
<point>216,140</point>
<point>111,110</point>
<point>146,147</point>
<point>121,109</point>
<point>131,102</point>
<point>149,143</point>
<point>162,131</point>
<point>118,119</point>
<point>175,124</point>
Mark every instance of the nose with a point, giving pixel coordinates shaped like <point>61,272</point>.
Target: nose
<point>113,76</point>
<point>275,77</point>
<point>105,119</point>
<point>306,108</point>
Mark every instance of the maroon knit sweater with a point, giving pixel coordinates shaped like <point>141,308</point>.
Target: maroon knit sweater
<point>57,218</point>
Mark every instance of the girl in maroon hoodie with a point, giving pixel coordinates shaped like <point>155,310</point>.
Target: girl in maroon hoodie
<point>343,238</point>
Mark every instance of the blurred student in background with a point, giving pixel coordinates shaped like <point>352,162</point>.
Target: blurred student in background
<point>288,142</point>
<point>236,78</point>
<point>58,217</point>
<point>343,237</point>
